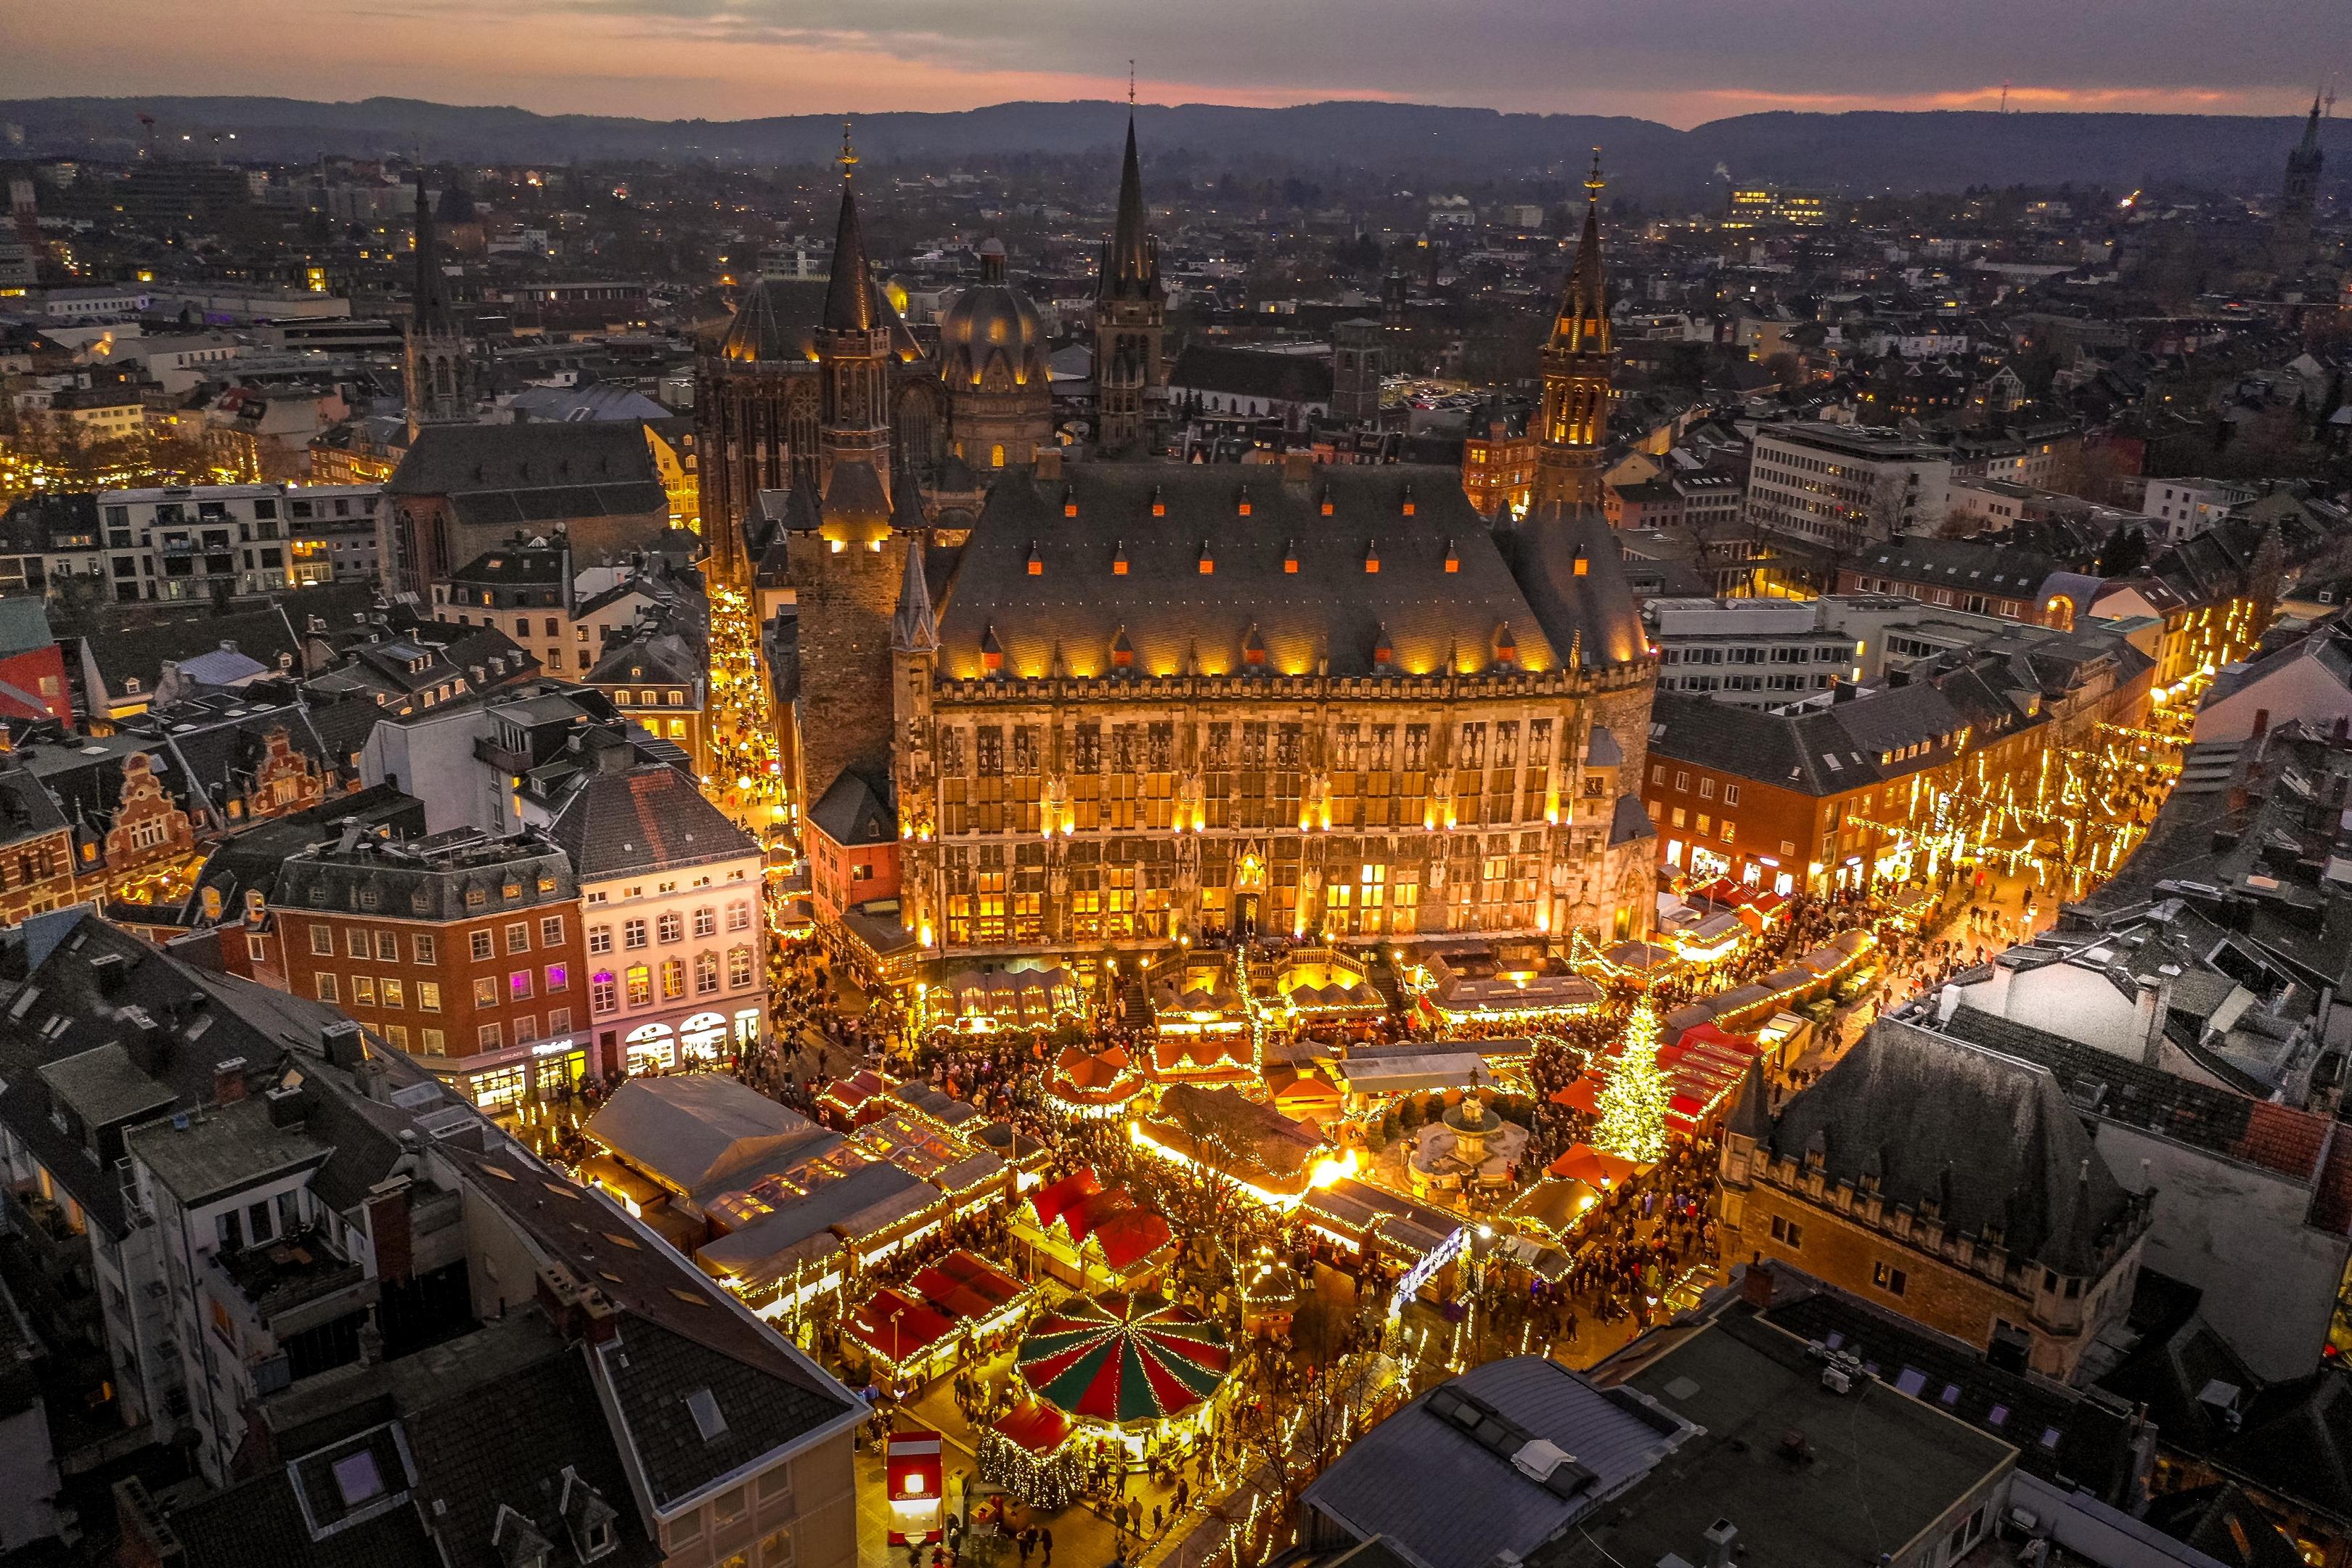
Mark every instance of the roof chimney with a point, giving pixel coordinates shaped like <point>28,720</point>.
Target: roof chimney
<point>1719,1538</point>
<point>1049,462</point>
<point>228,1081</point>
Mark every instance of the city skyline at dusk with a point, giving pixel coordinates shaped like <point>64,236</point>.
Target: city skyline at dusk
<point>1683,63</point>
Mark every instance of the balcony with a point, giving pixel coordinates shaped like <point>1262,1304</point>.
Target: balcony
<point>294,1283</point>
<point>513,763</point>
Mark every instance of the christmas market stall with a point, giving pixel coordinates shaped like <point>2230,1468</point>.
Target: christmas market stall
<point>1021,995</point>
<point>1030,1453</point>
<point>1479,985</point>
<point>1092,1085</point>
<point>1320,985</point>
<point>1262,1151</point>
<point>907,1340</point>
<point>1076,1231</point>
<point>1131,1366</point>
<point>933,1322</point>
<point>1635,963</point>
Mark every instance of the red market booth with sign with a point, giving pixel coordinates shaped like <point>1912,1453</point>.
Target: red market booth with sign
<point>917,1486</point>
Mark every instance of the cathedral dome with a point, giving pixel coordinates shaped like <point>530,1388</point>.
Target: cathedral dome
<point>777,318</point>
<point>992,338</point>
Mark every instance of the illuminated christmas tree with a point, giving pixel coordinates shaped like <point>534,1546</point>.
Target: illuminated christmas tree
<point>1633,1103</point>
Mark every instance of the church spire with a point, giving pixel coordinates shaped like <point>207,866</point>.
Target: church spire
<point>431,291</point>
<point>1577,371</point>
<point>1131,266</point>
<point>849,298</point>
<point>1584,302</point>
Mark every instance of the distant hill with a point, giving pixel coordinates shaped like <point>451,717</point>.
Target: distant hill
<point>1851,153</point>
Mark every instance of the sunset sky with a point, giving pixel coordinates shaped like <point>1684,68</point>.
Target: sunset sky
<point>1680,61</point>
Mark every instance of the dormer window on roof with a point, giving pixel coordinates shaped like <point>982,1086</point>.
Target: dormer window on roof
<point>1036,562</point>
<point>1326,501</point>
<point>991,652</point>
<point>1383,651</point>
<point>1408,500</point>
<point>1452,561</point>
<point>1242,508</point>
<point>1254,648</point>
<point>1208,561</point>
<point>1159,503</point>
<point>1290,557</point>
<point>1119,559</point>
<point>1582,565</point>
<point>1122,650</point>
<point>1371,556</point>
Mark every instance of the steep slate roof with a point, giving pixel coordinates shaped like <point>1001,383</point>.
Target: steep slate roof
<point>517,475</point>
<point>1967,565</point>
<point>505,1445</point>
<point>2004,1148</point>
<point>776,323</point>
<point>2221,1521</point>
<point>1793,750</point>
<point>128,653</point>
<point>679,1335</point>
<point>642,819</point>
<point>853,812</point>
<point>1330,607</point>
<point>1592,611</point>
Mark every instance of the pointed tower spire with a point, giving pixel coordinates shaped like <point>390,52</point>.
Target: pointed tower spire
<point>849,298</point>
<point>1578,366</point>
<point>430,299</point>
<point>1584,303</point>
<point>1131,266</point>
<point>914,630</point>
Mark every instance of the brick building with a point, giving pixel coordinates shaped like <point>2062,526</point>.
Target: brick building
<point>462,950</point>
<point>1799,802</point>
<point>1995,1221</point>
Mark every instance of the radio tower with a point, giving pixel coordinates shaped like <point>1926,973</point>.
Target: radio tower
<point>2004,96</point>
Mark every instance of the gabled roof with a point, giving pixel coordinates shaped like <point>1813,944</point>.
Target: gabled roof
<point>641,818</point>
<point>696,1129</point>
<point>2005,1150</point>
<point>1201,573</point>
<point>518,459</point>
<point>854,813</point>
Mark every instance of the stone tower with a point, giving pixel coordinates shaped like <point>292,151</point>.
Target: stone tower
<point>1129,317</point>
<point>845,547</point>
<point>437,371</point>
<point>2298,198</point>
<point>1574,417</point>
<point>853,348</point>
<point>1357,363</point>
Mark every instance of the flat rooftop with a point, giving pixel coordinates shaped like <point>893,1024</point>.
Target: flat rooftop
<point>220,1149</point>
<point>1878,1469</point>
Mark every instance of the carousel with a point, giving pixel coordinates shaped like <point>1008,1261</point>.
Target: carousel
<point>1134,1368</point>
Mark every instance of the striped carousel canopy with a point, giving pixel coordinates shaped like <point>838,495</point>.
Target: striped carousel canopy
<point>1123,1359</point>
